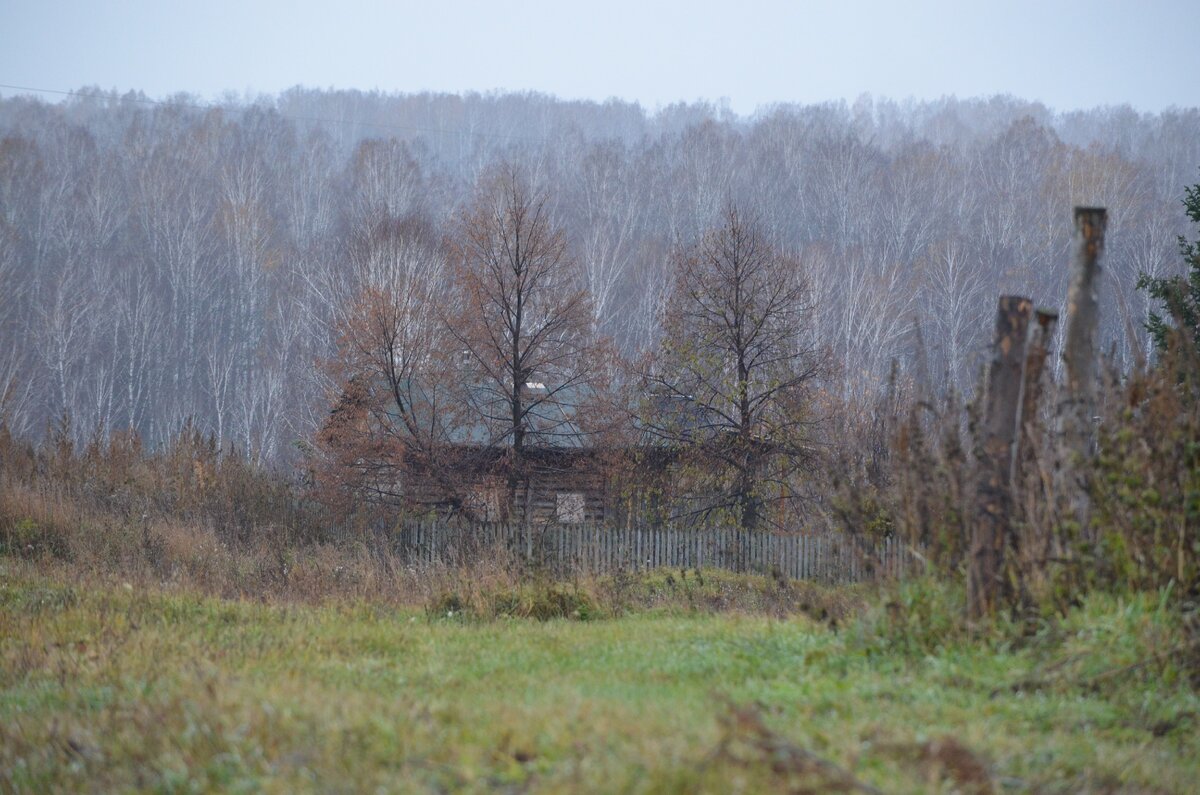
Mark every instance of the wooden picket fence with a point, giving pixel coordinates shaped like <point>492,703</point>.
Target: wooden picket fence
<point>599,549</point>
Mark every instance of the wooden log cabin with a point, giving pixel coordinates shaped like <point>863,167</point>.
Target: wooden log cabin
<point>559,476</point>
<point>466,467</point>
<point>557,486</point>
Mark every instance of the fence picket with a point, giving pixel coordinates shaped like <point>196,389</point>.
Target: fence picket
<point>593,548</point>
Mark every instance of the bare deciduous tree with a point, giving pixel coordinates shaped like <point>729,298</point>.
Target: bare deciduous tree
<point>955,300</point>
<point>392,418</point>
<point>200,236</point>
<point>738,358</point>
<point>524,323</point>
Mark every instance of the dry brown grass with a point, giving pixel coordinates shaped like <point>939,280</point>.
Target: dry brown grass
<point>115,518</point>
<point>191,519</point>
<point>1143,483</point>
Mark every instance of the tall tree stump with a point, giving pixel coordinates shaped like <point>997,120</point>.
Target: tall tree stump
<point>1037,352</point>
<point>988,582</point>
<point>1031,471</point>
<point>1078,397</point>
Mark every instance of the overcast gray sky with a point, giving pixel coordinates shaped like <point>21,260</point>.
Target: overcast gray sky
<point>1067,54</point>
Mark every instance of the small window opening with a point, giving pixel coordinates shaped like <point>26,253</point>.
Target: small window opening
<point>570,507</point>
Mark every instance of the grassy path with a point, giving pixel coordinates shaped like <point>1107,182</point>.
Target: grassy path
<point>109,688</point>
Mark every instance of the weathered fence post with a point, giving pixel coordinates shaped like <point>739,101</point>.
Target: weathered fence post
<point>993,524</point>
<point>1037,351</point>
<point>1079,364</point>
<point>1036,354</point>
<point>1026,470</point>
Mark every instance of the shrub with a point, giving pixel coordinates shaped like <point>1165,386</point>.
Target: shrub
<point>1146,487</point>
<point>537,598</point>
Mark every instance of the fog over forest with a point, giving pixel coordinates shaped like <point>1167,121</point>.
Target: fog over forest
<point>170,262</point>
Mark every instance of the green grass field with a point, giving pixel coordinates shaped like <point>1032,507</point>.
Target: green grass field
<point>117,688</point>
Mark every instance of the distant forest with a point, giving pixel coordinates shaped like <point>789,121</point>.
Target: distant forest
<point>165,263</point>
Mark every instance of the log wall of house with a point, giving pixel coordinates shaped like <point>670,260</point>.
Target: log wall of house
<point>556,493</point>
<point>547,490</point>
